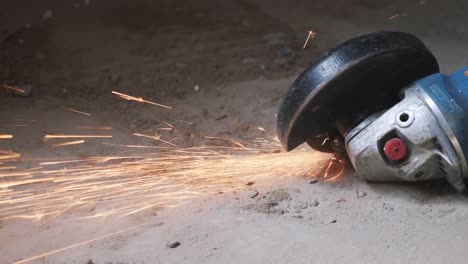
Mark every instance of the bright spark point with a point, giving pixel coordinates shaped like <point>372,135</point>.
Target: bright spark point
<point>261,128</point>
<point>6,136</point>
<point>138,99</point>
<point>76,142</point>
<point>14,88</point>
<point>394,16</point>
<point>76,111</point>
<point>311,35</point>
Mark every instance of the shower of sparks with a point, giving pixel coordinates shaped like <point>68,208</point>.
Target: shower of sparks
<point>47,137</point>
<point>9,87</point>
<point>393,17</point>
<point>139,99</point>
<point>76,111</point>
<point>311,35</point>
<point>69,143</point>
<point>126,185</point>
<point>95,127</point>
<point>6,136</point>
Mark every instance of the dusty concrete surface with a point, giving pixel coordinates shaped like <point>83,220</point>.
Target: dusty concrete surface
<point>224,66</point>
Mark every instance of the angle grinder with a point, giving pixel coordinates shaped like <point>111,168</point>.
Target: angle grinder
<point>380,99</point>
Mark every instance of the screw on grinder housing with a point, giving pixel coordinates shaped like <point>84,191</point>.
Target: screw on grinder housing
<point>380,97</point>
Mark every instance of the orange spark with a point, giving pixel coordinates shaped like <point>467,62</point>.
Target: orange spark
<point>8,168</point>
<point>228,139</point>
<point>14,88</point>
<point>138,99</point>
<point>76,111</point>
<point>6,136</point>
<point>76,142</point>
<point>47,137</point>
<point>24,182</point>
<point>182,121</point>
<point>6,155</point>
<point>157,137</point>
<point>325,140</point>
<point>166,123</point>
<point>466,73</point>
<point>330,167</point>
<point>96,127</point>
<point>311,35</point>
<point>395,16</point>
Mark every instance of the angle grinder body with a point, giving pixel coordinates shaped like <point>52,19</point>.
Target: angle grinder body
<point>380,99</point>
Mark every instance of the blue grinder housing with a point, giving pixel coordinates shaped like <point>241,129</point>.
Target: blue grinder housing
<point>449,94</point>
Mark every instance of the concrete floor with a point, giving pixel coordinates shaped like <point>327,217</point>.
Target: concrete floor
<point>242,55</point>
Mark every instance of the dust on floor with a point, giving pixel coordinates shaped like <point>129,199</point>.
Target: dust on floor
<point>223,66</point>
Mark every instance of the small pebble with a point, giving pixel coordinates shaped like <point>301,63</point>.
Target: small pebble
<point>253,193</point>
<point>301,205</point>
<point>333,221</point>
<point>158,224</point>
<point>173,244</point>
<point>313,181</point>
<point>362,194</point>
<point>315,203</point>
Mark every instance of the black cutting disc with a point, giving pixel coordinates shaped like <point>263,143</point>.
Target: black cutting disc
<point>360,77</point>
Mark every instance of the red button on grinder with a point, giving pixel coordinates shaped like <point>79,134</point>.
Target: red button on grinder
<point>395,149</point>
